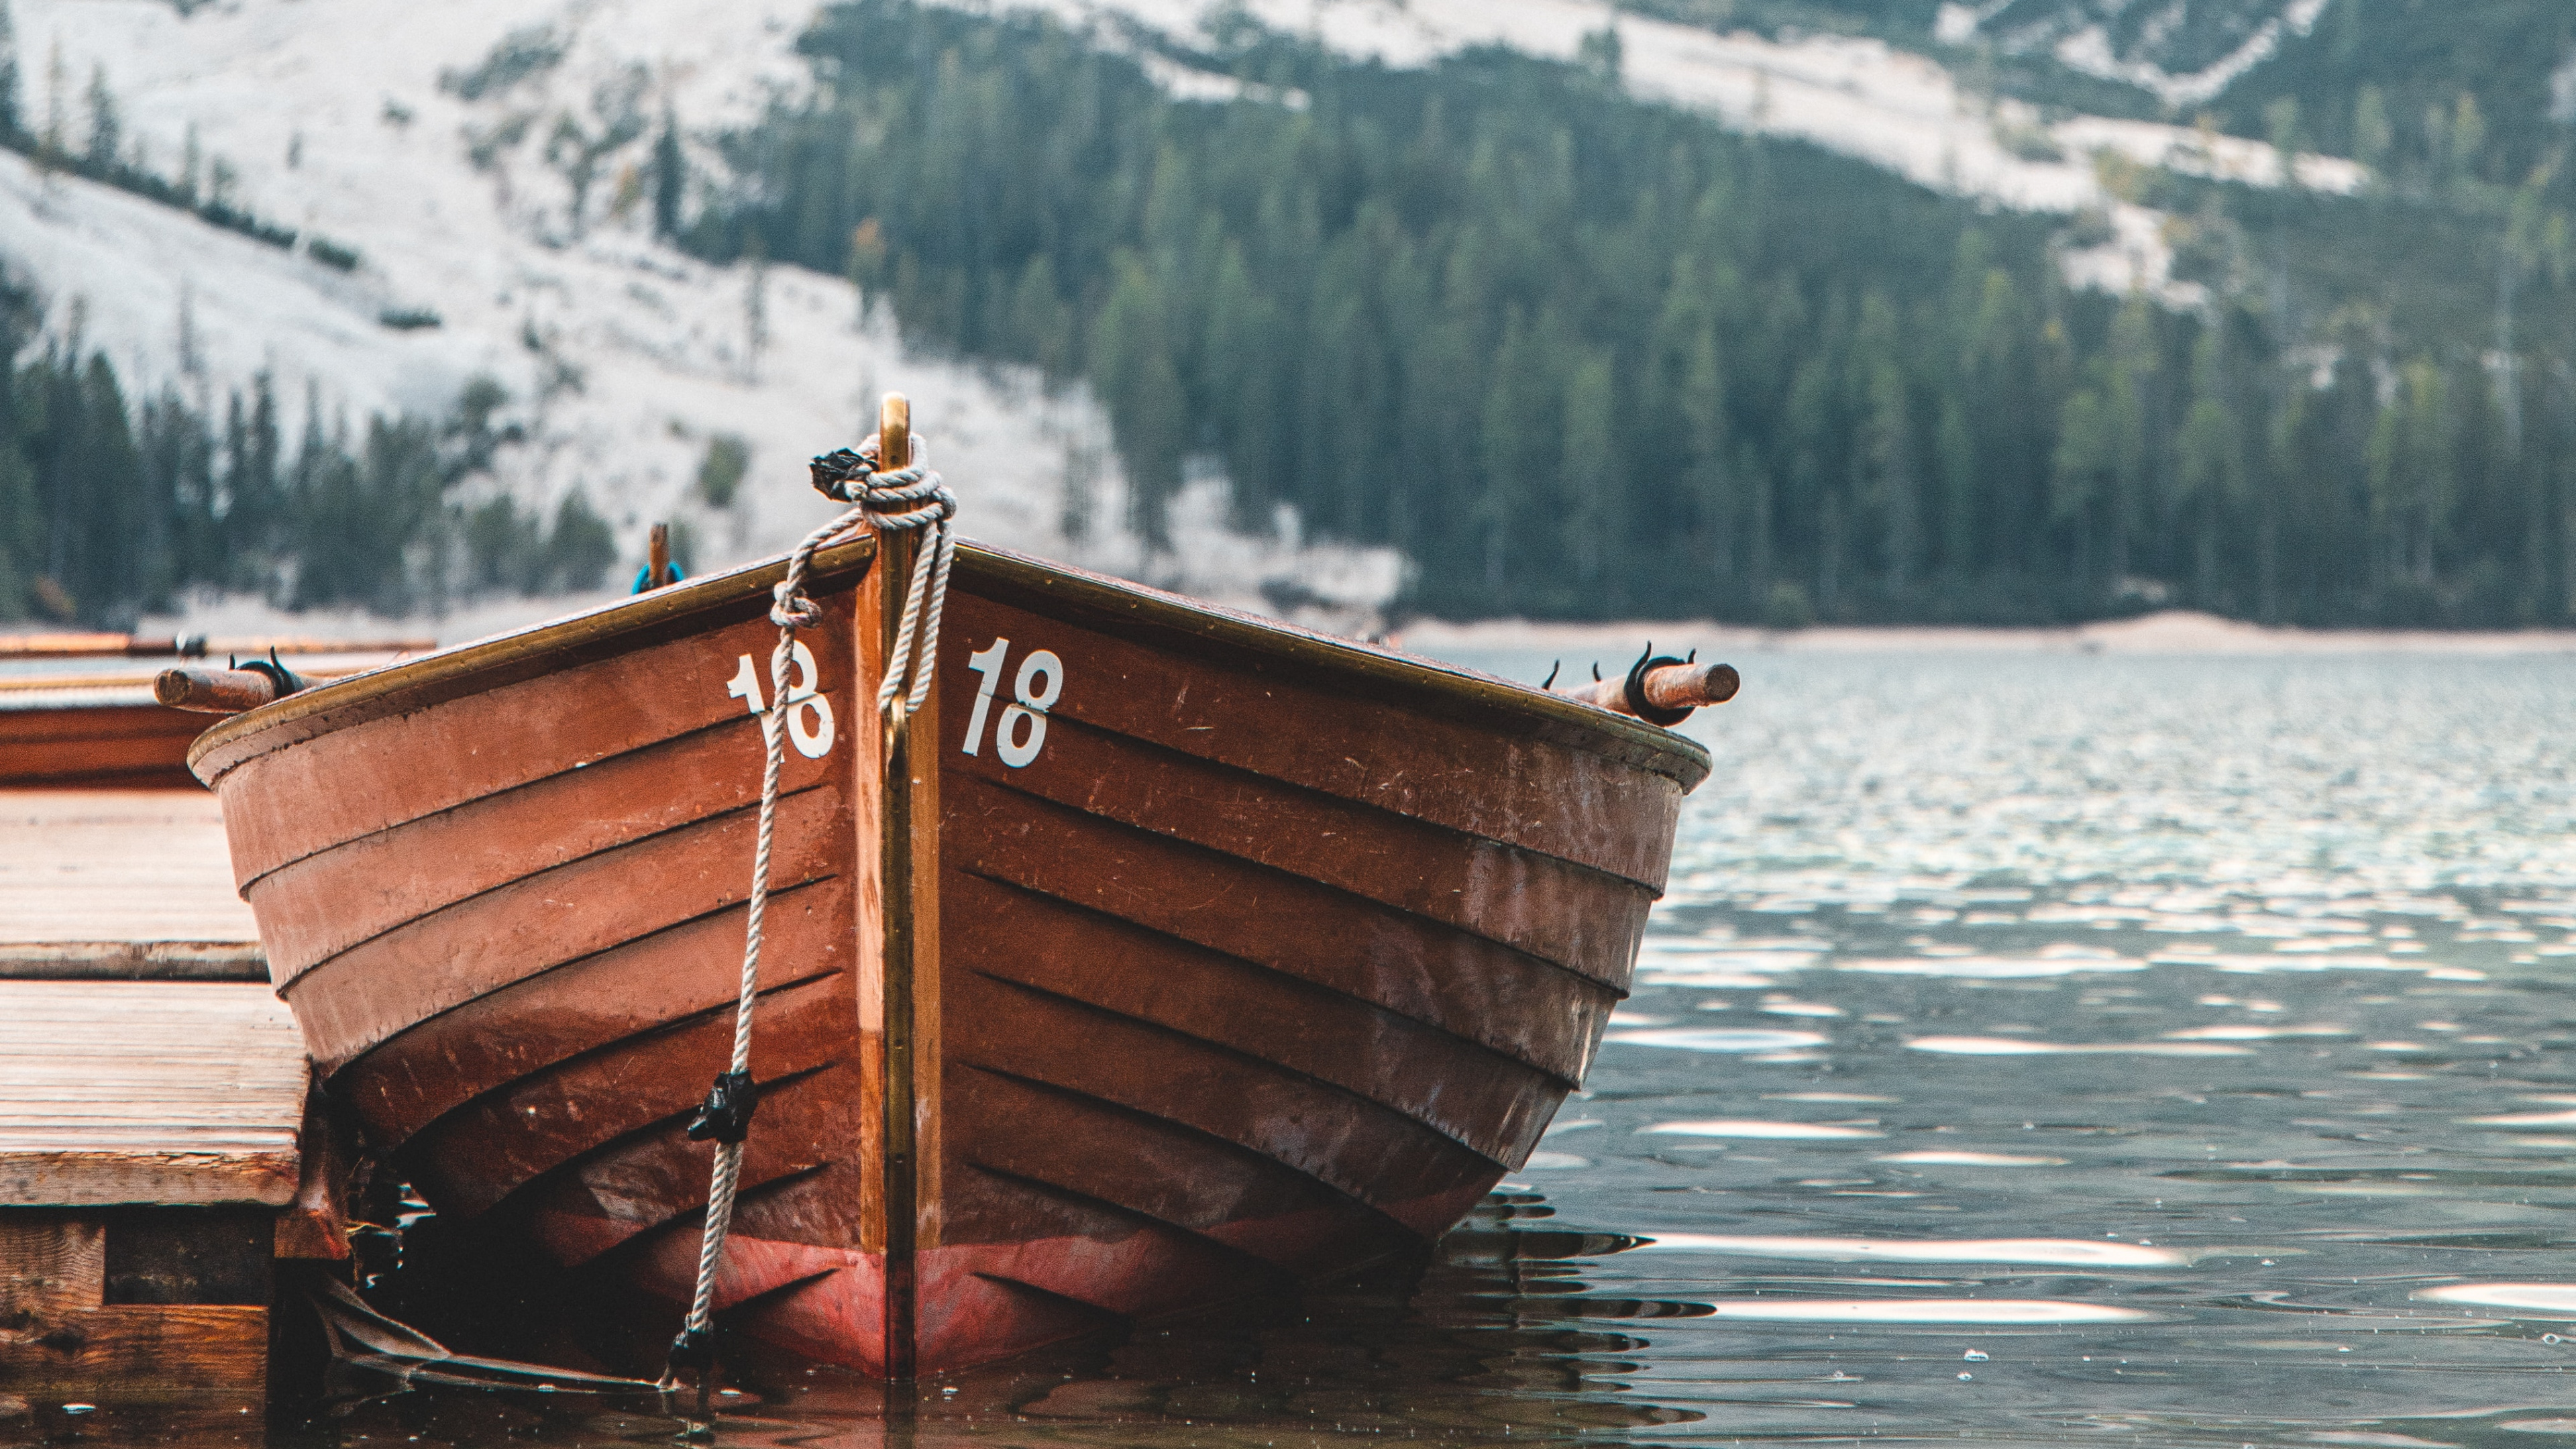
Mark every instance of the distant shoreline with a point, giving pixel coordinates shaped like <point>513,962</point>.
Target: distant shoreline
<point>2174,631</point>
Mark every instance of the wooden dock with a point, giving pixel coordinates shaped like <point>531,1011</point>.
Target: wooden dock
<point>121,885</point>
<point>160,1154</point>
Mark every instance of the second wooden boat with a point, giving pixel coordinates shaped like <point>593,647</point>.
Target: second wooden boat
<point>1168,955</point>
<point>75,715</point>
<point>66,731</point>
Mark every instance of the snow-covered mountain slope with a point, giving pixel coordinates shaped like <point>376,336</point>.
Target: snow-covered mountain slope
<point>490,161</point>
<point>1860,97</point>
<point>2183,53</point>
<point>622,356</point>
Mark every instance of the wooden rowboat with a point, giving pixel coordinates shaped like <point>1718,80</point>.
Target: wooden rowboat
<point>64,731</point>
<point>1185,955</point>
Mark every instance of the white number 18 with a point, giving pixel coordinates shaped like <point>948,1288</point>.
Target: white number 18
<point>809,714</point>
<point>1023,730</point>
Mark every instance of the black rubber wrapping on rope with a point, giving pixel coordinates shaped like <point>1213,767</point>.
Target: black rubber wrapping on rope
<point>836,470</point>
<point>695,1348</point>
<point>726,1114</point>
<point>1636,690</point>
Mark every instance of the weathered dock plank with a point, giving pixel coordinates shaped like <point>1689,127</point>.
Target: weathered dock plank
<point>148,1092</point>
<point>120,883</point>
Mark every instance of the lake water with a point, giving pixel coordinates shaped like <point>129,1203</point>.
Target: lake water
<point>2032,1050</point>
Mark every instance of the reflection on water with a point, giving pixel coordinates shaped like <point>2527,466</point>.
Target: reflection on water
<point>2032,1049</point>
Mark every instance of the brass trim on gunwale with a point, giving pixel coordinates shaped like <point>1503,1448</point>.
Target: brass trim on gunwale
<point>449,673</point>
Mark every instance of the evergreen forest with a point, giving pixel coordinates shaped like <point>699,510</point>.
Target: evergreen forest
<point>110,508</point>
<point>1579,355</point>
<point>1574,353</point>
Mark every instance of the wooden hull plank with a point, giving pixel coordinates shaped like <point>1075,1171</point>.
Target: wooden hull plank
<point>547,919</point>
<point>659,982</point>
<point>414,766</point>
<point>1485,1102</point>
<point>331,900</point>
<point>1482,778</point>
<point>1506,999</point>
<point>508,1137</point>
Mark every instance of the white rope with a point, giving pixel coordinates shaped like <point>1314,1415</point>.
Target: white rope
<point>893,502</point>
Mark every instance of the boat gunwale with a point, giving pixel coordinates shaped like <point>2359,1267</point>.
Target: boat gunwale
<point>436,677</point>
<point>489,663</point>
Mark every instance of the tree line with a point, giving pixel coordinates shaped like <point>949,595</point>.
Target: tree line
<point>1579,355</point>
<point>111,509</point>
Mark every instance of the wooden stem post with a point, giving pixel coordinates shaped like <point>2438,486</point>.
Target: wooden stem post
<point>657,557</point>
<point>909,850</point>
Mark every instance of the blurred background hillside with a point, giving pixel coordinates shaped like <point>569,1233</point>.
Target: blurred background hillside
<point>1773,311</point>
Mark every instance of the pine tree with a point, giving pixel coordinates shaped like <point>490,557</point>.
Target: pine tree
<point>2210,463</point>
<point>1594,488</point>
<point>106,131</point>
<point>13,125</point>
<point>670,177</point>
<point>1131,371</point>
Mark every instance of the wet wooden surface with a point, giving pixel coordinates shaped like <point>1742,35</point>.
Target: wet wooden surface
<point>149,1138</point>
<point>147,1092</point>
<point>120,883</point>
<point>141,1305</point>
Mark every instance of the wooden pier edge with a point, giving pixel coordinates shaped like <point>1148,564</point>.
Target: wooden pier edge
<point>168,1167</point>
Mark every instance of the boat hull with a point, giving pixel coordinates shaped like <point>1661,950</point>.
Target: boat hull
<point>103,736</point>
<point>1167,957</point>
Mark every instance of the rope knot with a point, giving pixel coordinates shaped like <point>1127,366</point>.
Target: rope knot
<point>895,500</point>
<point>790,609</point>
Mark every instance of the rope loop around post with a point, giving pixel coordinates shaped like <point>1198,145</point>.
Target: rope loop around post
<point>894,500</point>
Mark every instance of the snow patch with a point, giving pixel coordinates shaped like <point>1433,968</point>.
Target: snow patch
<point>2562,91</point>
<point>2089,50</point>
<point>2191,151</point>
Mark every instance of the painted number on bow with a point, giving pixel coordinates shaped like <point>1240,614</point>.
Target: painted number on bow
<point>1039,685</point>
<point>809,714</point>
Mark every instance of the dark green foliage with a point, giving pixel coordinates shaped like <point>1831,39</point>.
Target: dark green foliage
<point>2417,60</point>
<point>670,177</point>
<point>11,117</point>
<point>1578,355</point>
<point>110,510</point>
<point>508,549</point>
<point>720,472</point>
<point>331,254</point>
<point>520,55</point>
<point>579,550</point>
<point>1787,608</point>
<point>409,319</point>
<point>500,544</point>
<point>356,516</point>
<point>99,528</point>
